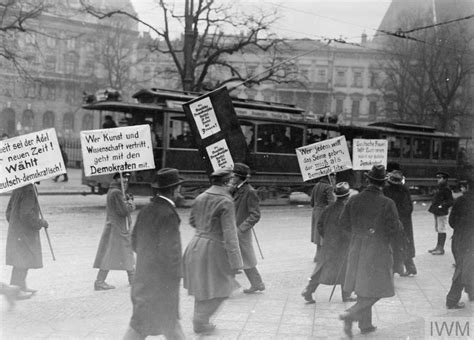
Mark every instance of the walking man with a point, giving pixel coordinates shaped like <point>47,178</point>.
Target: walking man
<point>212,258</point>
<point>331,269</point>
<point>442,201</point>
<point>157,242</point>
<point>247,210</point>
<point>373,220</point>
<point>115,247</point>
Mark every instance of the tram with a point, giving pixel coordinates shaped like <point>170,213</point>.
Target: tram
<point>272,132</point>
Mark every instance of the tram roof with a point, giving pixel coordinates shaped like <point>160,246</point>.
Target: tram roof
<point>124,107</point>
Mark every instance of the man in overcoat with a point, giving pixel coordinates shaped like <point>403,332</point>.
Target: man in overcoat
<point>372,219</point>
<point>404,245</point>
<point>331,269</point>
<point>461,220</point>
<point>247,210</point>
<point>23,250</point>
<point>321,196</point>
<point>115,246</point>
<point>212,257</point>
<point>157,242</point>
<point>442,201</point>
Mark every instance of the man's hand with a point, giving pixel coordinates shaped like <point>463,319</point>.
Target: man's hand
<point>44,224</point>
<point>236,271</point>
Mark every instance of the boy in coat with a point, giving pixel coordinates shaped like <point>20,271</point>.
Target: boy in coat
<point>157,242</point>
<point>247,210</point>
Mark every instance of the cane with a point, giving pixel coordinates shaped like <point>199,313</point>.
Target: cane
<point>124,197</point>
<point>45,229</point>
<point>338,275</point>
<point>258,244</point>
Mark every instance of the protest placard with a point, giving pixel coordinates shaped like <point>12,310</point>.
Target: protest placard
<point>219,155</point>
<point>322,158</point>
<point>205,117</point>
<point>369,152</point>
<point>29,158</point>
<point>108,151</point>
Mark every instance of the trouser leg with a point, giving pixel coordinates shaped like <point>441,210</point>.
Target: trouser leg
<point>365,319</point>
<point>313,281</point>
<point>102,275</point>
<point>410,265</point>
<point>455,292</point>
<point>174,333</point>
<point>130,274</point>
<point>253,276</point>
<point>132,334</point>
<point>204,309</point>
<point>345,294</point>
<point>359,311</point>
<point>441,240</point>
<point>18,277</point>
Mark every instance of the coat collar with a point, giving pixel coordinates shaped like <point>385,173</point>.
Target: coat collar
<point>373,188</point>
<point>218,190</point>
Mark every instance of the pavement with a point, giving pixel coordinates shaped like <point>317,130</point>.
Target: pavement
<point>67,307</point>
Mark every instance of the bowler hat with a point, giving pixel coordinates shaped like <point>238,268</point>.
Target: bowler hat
<point>224,172</point>
<point>241,169</point>
<point>377,173</point>
<point>395,177</point>
<point>443,174</point>
<point>167,178</point>
<point>342,189</point>
<point>124,174</point>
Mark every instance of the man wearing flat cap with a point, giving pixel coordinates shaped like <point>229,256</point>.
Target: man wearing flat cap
<point>156,240</point>
<point>247,210</point>
<point>442,201</point>
<point>372,219</point>
<point>115,246</point>
<point>212,257</point>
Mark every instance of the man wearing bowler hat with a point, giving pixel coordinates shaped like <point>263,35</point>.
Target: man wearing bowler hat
<point>157,242</point>
<point>247,212</point>
<point>372,219</point>
<point>442,201</point>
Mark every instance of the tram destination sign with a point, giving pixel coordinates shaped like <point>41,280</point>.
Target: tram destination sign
<point>108,151</point>
<point>29,158</point>
<point>322,158</point>
<point>369,152</point>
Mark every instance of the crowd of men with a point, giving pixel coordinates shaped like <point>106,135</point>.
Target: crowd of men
<point>362,240</point>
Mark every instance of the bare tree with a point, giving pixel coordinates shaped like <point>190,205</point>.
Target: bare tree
<point>205,46</point>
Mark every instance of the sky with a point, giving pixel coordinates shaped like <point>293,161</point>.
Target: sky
<point>314,19</point>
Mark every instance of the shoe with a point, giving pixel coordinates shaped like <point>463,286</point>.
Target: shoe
<point>438,252</point>
<point>458,305</point>
<point>432,250</point>
<point>65,180</point>
<point>101,285</point>
<point>368,330</point>
<point>253,289</point>
<point>29,290</point>
<point>55,179</point>
<point>347,324</point>
<point>203,327</point>
<point>349,299</point>
<point>308,296</point>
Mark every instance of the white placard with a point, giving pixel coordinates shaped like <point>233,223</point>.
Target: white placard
<point>322,158</point>
<point>108,151</point>
<point>205,117</point>
<point>29,158</point>
<point>369,152</point>
<point>219,155</point>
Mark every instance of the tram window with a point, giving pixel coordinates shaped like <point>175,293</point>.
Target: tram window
<point>406,147</point>
<point>436,146</point>
<point>449,149</point>
<point>275,138</point>
<point>248,129</point>
<point>180,134</point>
<point>314,135</point>
<point>394,146</point>
<point>156,126</point>
<point>421,148</point>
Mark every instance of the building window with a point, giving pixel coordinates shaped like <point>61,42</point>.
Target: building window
<point>374,79</point>
<point>372,110</point>
<point>421,148</point>
<point>87,122</point>
<point>68,122</point>
<point>251,69</point>
<point>71,44</point>
<point>305,73</point>
<point>28,121</point>
<point>389,108</point>
<point>50,92</point>
<point>321,76</point>
<point>357,79</point>
<point>50,63</point>
<point>48,120</point>
<point>355,108</point>
<point>72,63</point>
<point>339,106</point>
<point>340,78</point>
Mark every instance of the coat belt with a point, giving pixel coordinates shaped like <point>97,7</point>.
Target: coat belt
<point>210,236</point>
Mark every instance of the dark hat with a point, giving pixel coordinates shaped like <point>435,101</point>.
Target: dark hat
<point>395,177</point>
<point>443,174</point>
<point>124,174</point>
<point>342,189</point>
<point>224,172</point>
<point>167,178</point>
<point>377,173</point>
<point>241,169</point>
<point>393,166</point>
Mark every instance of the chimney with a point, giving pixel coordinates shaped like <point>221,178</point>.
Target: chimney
<point>363,39</point>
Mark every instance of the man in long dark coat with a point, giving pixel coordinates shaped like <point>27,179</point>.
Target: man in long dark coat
<point>461,220</point>
<point>331,269</point>
<point>212,257</point>
<point>247,211</point>
<point>157,242</point>
<point>23,250</point>
<point>372,219</point>
<point>404,245</point>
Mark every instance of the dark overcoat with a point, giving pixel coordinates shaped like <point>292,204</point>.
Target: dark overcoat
<point>321,196</point>
<point>155,289</point>
<point>115,246</point>
<point>442,200</point>
<point>372,219</point>
<point>401,196</point>
<point>332,265</point>
<point>247,213</point>
<point>461,220</point>
<point>213,253</point>
<point>23,249</point>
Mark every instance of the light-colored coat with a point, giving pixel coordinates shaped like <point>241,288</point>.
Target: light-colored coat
<point>247,212</point>
<point>321,196</point>
<point>115,246</point>
<point>213,253</point>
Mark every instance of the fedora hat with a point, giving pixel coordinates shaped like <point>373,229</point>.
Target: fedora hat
<point>442,174</point>
<point>241,169</point>
<point>395,177</point>
<point>124,174</point>
<point>167,178</point>
<point>377,173</point>
<point>342,189</point>
<point>224,172</point>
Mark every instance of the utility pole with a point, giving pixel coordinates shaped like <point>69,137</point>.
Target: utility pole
<point>188,78</point>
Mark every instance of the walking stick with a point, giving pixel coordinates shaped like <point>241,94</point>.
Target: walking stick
<point>124,197</point>
<point>258,244</point>
<point>338,275</point>
<point>45,229</point>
